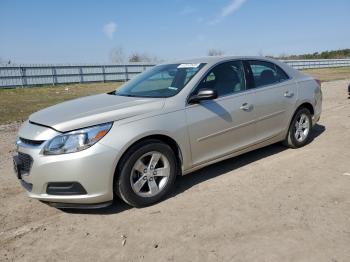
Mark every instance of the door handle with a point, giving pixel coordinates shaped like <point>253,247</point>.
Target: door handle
<point>287,94</point>
<point>245,107</point>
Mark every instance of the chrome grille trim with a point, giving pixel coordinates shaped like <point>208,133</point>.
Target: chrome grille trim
<point>31,142</point>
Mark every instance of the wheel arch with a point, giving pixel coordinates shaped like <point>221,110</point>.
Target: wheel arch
<point>304,104</point>
<point>161,137</point>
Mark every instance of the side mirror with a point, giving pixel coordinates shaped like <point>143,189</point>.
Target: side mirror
<point>203,94</point>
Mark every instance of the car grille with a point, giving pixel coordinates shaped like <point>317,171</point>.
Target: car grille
<point>31,142</point>
<point>26,161</point>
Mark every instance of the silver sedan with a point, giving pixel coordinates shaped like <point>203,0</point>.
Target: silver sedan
<point>168,121</point>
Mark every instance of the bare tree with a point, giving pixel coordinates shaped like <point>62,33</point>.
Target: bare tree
<point>117,55</point>
<point>135,57</point>
<point>138,57</point>
<point>215,52</point>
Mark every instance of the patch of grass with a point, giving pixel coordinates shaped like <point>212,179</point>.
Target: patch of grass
<point>329,74</point>
<point>17,104</point>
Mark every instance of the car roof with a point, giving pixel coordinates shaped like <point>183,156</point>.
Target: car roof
<point>212,60</point>
<point>218,59</point>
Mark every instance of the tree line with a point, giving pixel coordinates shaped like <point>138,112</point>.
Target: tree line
<point>333,54</point>
<point>118,56</point>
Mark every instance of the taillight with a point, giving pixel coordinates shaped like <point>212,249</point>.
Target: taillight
<point>318,82</point>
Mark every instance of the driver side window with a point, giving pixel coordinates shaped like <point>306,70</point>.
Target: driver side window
<point>226,78</point>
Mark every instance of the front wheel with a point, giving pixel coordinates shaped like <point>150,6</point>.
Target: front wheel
<point>147,173</point>
<point>299,130</point>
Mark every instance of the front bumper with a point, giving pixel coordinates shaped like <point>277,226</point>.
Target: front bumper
<point>75,179</point>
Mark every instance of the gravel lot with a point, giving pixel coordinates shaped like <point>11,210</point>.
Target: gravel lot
<point>273,204</point>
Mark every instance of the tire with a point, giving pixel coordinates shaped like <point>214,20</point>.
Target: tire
<point>139,188</point>
<point>300,139</point>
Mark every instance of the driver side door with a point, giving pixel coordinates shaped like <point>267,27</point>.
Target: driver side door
<point>223,125</point>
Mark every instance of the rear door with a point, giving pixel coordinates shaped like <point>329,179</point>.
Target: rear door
<point>276,96</point>
<point>226,124</point>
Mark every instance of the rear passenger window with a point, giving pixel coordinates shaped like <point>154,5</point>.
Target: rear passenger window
<point>281,75</point>
<point>265,73</point>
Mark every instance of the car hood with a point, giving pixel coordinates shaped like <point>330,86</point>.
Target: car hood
<point>93,110</point>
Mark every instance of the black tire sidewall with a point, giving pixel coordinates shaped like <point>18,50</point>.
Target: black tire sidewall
<point>292,128</point>
<point>124,189</point>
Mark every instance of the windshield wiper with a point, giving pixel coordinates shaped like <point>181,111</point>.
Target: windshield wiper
<point>116,94</point>
<point>125,95</point>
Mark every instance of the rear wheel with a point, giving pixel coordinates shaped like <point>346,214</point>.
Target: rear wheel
<point>147,173</point>
<point>300,129</point>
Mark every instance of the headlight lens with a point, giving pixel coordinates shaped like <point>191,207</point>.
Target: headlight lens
<point>77,140</point>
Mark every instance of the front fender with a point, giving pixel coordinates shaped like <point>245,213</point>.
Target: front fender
<point>173,125</point>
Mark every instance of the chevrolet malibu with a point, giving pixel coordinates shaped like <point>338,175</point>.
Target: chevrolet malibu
<point>168,121</point>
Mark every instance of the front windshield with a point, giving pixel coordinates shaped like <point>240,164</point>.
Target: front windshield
<point>160,81</point>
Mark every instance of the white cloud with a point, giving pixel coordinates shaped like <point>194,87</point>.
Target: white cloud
<point>229,9</point>
<point>234,6</point>
<point>109,29</point>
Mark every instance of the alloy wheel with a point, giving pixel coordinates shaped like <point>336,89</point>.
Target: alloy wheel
<point>302,128</point>
<point>150,174</point>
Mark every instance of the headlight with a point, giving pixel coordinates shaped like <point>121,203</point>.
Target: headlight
<point>77,140</point>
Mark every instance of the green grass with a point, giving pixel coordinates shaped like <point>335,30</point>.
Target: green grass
<point>329,74</point>
<point>17,104</point>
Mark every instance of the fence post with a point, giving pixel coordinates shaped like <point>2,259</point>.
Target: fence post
<point>81,74</point>
<point>104,74</point>
<point>126,73</point>
<point>23,76</point>
<point>54,76</point>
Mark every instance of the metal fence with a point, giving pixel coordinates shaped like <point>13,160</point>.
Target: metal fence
<point>30,75</point>
<point>317,63</point>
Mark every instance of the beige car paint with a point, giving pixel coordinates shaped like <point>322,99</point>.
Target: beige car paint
<point>204,133</point>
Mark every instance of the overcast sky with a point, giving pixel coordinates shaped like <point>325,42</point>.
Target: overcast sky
<point>84,31</point>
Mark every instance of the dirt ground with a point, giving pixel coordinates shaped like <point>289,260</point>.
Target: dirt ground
<point>273,204</point>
